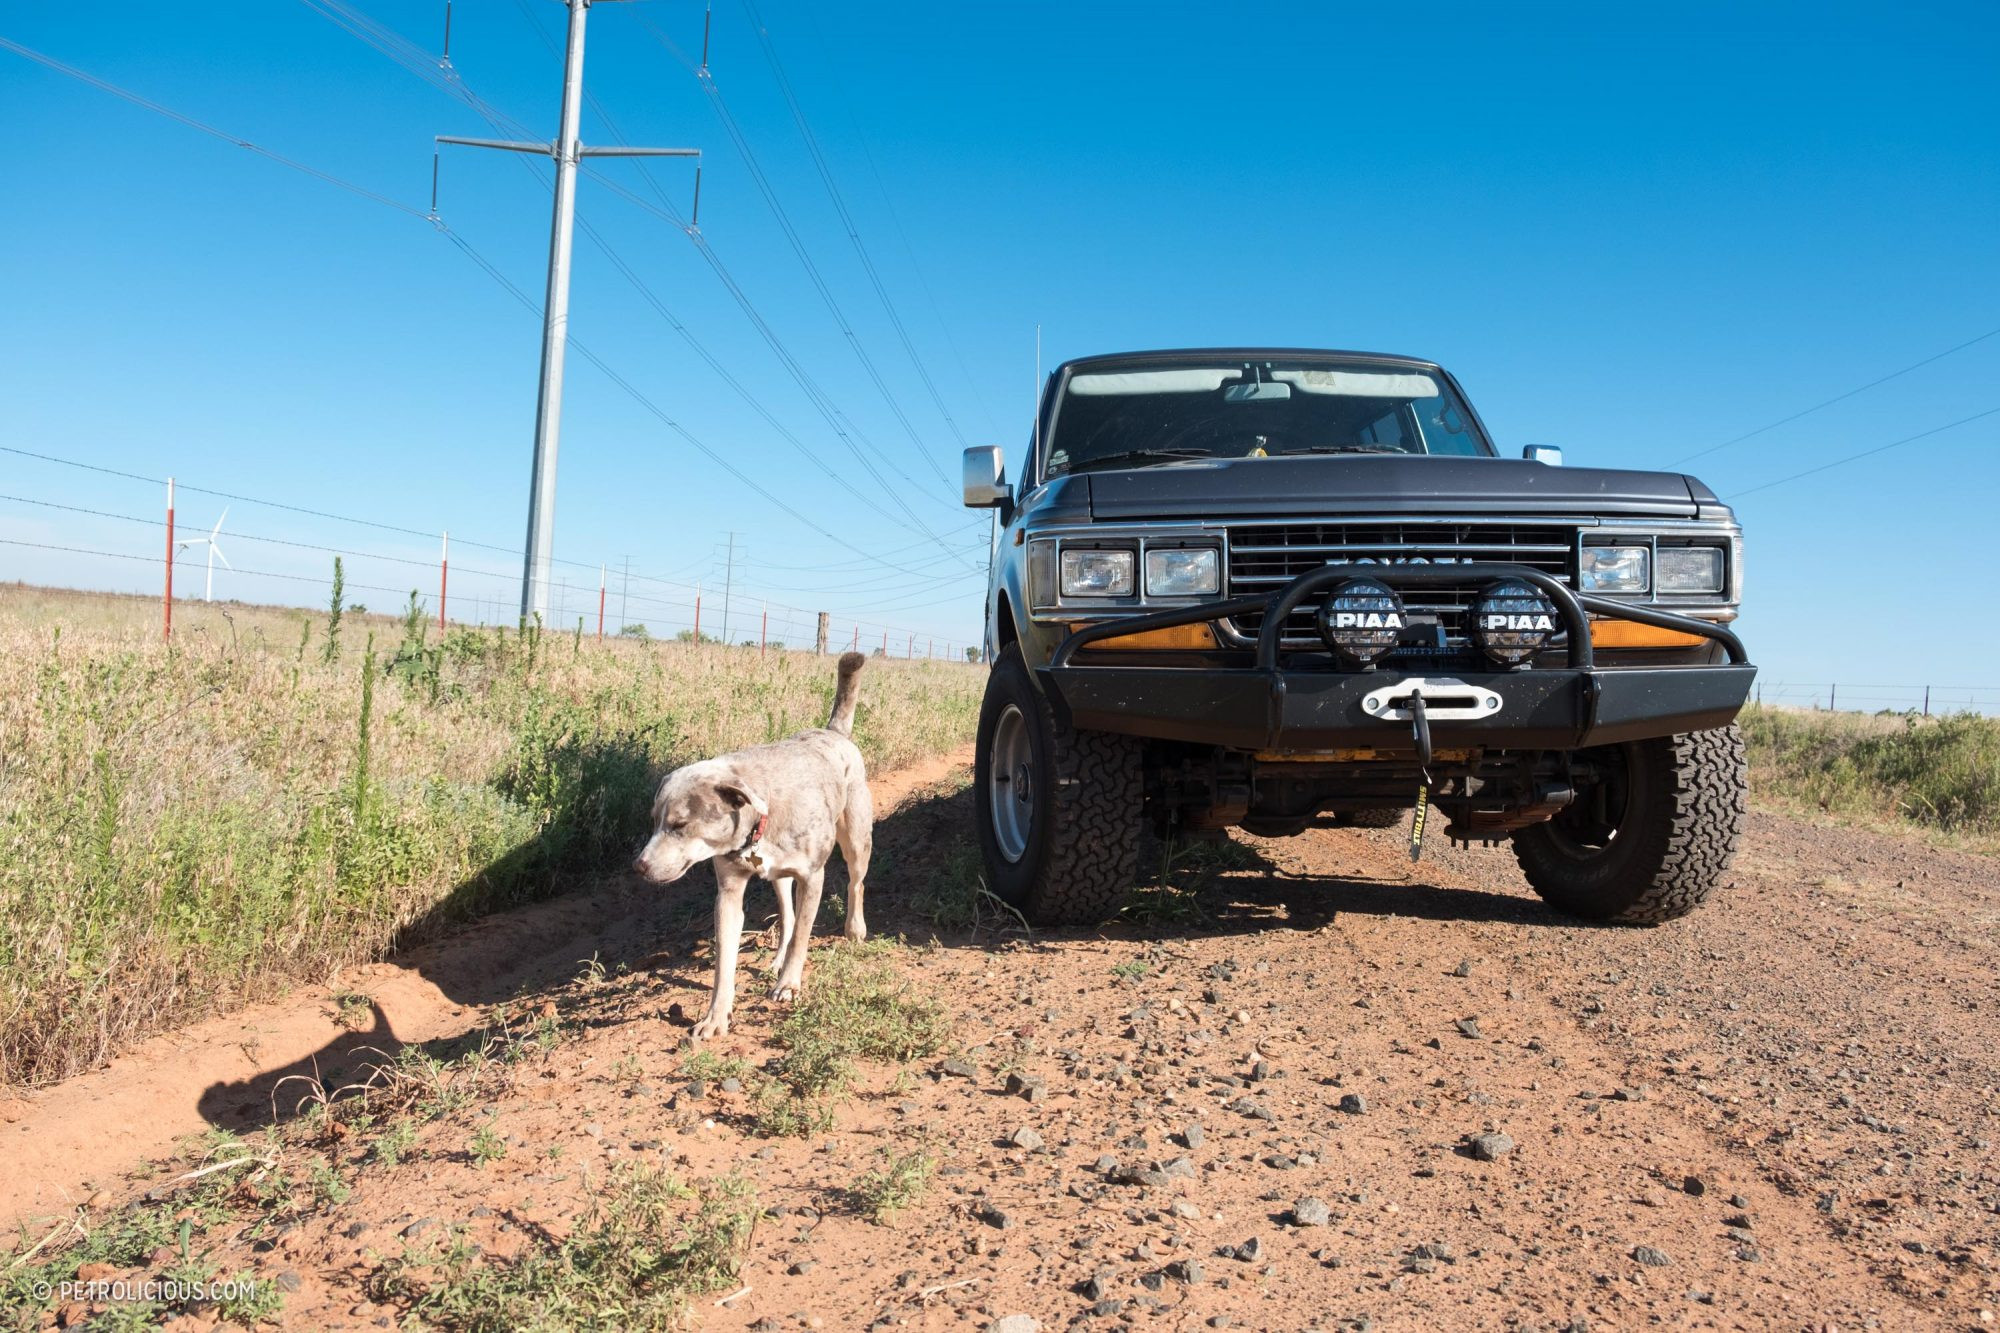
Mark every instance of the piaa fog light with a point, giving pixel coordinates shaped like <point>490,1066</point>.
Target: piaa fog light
<point>1511,621</point>
<point>1362,621</point>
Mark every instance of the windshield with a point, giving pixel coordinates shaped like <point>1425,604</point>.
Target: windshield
<point>1150,413</point>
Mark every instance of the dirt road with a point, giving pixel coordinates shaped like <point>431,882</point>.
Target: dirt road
<point>1270,1103</point>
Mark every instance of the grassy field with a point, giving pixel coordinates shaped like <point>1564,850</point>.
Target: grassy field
<point>187,828</point>
<point>1941,773</point>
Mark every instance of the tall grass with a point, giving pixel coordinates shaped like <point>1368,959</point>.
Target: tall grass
<point>184,828</point>
<point>1941,772</point>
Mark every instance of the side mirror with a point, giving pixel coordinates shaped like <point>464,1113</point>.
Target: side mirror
<point>983,480</point>
<point>1543,453</point>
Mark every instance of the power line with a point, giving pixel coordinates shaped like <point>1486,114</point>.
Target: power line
<point>1839,397</point>
<point>895,219</point>
<point>806,261</point>
<point>465,247</point>
<point>101,85</point>
<point>1868,453</point>
<point>412,58</point>
<point>632,391</point>
<point>254,500</point>
<point>269,541</point>
<point>847,218</point>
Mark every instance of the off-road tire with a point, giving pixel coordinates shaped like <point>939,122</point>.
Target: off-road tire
<point>1371,818</point>
<point>1678,833</point>
<point>1082,853</point>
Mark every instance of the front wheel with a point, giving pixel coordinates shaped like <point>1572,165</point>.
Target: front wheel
<point>1059,810</point>
<point>1652,839</point>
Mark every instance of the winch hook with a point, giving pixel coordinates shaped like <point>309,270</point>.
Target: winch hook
<point>1421,725</point>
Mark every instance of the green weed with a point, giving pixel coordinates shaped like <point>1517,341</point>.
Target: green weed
<point>632,1262</point>
<point>897,1184</point>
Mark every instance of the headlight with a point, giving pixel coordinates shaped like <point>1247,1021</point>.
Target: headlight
<point>1690,569</point>
<point>1616,568</point>
<point>1188,573</point>
<point>1362,621</point>
<point>1511,621</point>
<point>1097,573</point>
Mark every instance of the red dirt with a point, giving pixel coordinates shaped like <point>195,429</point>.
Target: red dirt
<point>1819,1042</point>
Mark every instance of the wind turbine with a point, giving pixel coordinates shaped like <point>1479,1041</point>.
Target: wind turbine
<point>214,553</point>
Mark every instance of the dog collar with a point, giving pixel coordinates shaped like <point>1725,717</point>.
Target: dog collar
<point>756,836</point>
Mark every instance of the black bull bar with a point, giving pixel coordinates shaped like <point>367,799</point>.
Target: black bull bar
<point>1269,707</point>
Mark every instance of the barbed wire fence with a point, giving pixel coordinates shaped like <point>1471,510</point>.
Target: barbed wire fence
<point>1861,697</point>
<point>608,599</point>
<point>602,599</point>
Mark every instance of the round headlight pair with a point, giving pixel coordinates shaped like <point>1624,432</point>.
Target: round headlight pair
<point>1363,620</point>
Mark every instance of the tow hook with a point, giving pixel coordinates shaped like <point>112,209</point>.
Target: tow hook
<point>1420,724</point>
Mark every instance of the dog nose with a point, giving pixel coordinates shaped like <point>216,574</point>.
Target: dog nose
<point>639,865</point>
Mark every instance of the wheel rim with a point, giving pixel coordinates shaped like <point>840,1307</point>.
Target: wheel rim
<point>1011,784</point>
<point>1591,827</point>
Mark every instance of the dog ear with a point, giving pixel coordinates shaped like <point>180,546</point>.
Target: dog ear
<point>739,794</point>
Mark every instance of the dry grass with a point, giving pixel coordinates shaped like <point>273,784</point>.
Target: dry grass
<point>186,828</point>
<point>1941,774</point>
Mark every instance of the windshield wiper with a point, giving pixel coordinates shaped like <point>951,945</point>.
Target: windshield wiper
<point>1344,449</point>
<point>1130,455</point>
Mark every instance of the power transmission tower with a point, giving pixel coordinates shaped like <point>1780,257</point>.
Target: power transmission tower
<point>567,152</point>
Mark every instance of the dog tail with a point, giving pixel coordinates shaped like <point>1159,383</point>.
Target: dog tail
<point>845,693</point>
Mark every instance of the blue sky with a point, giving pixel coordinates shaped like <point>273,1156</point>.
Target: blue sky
<point>1633,233</point>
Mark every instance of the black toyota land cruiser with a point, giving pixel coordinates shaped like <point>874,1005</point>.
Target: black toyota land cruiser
<point>1271,589</point>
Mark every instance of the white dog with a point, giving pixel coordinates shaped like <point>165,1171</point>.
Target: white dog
<point>777,811</point>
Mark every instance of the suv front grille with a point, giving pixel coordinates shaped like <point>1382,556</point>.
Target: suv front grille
<point>1266,557</point>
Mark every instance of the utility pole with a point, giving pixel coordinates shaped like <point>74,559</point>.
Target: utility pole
<point>567,152</point>
<point>728,581</point>
<point>623,579</point>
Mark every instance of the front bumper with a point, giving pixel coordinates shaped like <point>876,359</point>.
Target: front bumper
<point>1269,707</point>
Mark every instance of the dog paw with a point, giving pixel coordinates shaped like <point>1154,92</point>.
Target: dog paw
<point>711,1025</point>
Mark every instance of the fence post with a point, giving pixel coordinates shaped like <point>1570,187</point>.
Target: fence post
<point>167,601</point>
<point>600,603</point>
<point>819,636</point>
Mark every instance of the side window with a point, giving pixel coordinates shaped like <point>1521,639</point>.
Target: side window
<point>1386,430</point>
<point>1445,429</point>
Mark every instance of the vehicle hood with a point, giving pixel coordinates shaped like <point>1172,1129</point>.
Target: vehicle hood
<point>1375,484</point>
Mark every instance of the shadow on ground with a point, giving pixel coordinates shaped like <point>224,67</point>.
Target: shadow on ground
<point>925,884</point>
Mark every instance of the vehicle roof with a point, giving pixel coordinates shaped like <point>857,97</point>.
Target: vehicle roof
<point>1248,354</point>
